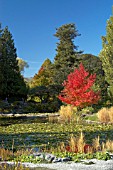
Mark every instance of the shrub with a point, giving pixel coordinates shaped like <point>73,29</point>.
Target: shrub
<point>78,89</point>
<point>96,144</point>
<point>111,114</point>
<point>87,110</point>
<point>105,115</point>
<point>81,143</point>
<point>5,154</point>
<point>109,145</point>
<point>73,144</point>
<point>53,118</point>
<point>78,145</point>
<point>4,107</point>
<point>67,113</point>
<point>16,166</point>
<point>45,107</point>
<point>30,107</point>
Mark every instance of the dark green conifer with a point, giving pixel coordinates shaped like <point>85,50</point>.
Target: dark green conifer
<point>66,52</point>
<point>12,84</point>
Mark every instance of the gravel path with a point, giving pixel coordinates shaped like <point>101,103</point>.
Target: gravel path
<point>97,165</point>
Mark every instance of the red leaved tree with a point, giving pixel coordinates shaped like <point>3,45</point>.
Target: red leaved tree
<point>78,88</point>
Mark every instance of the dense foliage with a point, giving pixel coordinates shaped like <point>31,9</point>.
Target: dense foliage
<point>12,84</point>
<point>106,55</point>
<point>42,91</point>
<point>93,65</point>
<point>43,77</point>
<point>66,52</point>
<point>78,88</point>
<point>66,60</point>
<point>45,98</point>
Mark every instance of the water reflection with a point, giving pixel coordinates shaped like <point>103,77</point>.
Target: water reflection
<point>6,121</point>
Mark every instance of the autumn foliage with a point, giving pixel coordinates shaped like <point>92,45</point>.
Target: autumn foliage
<point>78,88</point>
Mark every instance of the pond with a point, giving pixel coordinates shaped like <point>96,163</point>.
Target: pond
<point>6,121</point>
<point>26,131</point>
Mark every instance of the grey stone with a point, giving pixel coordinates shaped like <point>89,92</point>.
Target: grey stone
<point>49,157</point>
<point>57,160</point>
<point>37,154</point>
<point>41,156</point>
<point>66,159</point>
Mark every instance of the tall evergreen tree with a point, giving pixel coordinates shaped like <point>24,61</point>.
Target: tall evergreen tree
<point>12,84</point>
<point>106,55</point>
<point>66,52</point>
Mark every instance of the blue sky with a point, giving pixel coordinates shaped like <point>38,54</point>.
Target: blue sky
<point>33,24</point>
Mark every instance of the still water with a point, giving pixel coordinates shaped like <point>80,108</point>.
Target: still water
<point>6,121</point>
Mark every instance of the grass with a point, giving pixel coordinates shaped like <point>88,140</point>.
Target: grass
<point>92,117</point>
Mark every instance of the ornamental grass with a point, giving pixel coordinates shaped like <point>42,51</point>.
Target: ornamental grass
<point>16,166</point>
<point>78,145</point>
<point>110,112</point>
<point>5,154</point>
<point>105,115</point>
<point>67,114</point>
